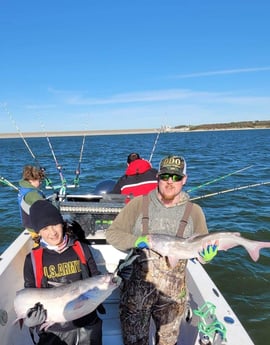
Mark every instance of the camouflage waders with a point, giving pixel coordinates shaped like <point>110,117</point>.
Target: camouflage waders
<point>155,290</point>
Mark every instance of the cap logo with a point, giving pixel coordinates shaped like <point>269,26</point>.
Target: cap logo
<point>173,164</point>
<point>172,161</point>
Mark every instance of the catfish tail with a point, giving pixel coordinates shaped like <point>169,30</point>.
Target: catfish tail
<point>254,248</point>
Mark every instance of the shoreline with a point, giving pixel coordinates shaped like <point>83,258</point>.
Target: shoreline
<point>78,133</point>
<point>119,132</point>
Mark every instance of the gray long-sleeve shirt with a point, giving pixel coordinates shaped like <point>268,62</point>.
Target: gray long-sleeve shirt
<point>127,226</point>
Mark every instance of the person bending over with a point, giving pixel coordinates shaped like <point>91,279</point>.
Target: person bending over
<point>139,178</point>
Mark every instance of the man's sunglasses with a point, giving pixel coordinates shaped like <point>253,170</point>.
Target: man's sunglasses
<point>175,178</point>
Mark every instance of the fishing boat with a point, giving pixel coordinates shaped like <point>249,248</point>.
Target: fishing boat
<point>208,320</point>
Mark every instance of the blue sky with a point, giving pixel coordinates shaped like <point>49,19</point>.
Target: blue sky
<point>109,64</point>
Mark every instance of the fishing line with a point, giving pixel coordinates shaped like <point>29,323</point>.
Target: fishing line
<point>22,137</point>
<point>218,179</point>
<point>47,180</point>
<point>78,170</point>
<point>231,190</point>
<point>154,147</point>
<point>58,166</point>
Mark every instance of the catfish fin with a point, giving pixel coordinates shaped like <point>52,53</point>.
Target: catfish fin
<point>46,325</point>
<point>20,322</point>
<point>172,260</point>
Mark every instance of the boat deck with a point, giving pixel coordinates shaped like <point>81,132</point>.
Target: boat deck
<point>201,288</point>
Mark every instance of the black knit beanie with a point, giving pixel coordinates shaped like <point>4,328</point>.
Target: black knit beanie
<point>44,213</point>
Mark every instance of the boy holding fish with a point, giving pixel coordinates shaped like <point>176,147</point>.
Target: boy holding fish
<point>157,288</point>
<point>60,260</point>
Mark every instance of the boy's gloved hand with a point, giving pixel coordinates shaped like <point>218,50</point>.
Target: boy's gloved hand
<point>35,316</point>
<point>142,242</point>
<point>208,253</point>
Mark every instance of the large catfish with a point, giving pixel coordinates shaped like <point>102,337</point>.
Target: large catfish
<point>67,302</point>
<point>177,248</point>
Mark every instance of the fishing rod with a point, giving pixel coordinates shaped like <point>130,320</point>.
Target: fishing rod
<point>218,179</point>
<point>231,190</point>
<point>154,147</point>
<point>58,166</point>
<point>47,180</point>
<point>78,170</point>
<point>6,182</point>
<point>22,137</point>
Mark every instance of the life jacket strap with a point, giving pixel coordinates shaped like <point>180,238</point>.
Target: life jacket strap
<point>184,220</point>
<point>36,257</point>
<point>145,217</point>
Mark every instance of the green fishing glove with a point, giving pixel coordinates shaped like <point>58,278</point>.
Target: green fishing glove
<point>142,242</point>
<point>209,252</point>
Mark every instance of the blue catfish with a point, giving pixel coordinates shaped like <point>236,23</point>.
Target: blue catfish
<point>67,302</point>
<point>177,248</point>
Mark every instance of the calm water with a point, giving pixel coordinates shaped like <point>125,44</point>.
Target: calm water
<point>210,156</point>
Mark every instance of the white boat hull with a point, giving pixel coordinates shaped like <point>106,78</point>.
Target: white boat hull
<point>201,289</point>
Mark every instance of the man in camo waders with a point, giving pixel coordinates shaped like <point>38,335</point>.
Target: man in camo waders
<point>156,289</point>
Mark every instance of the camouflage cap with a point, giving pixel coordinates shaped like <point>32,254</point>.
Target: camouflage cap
<point>173,165</point>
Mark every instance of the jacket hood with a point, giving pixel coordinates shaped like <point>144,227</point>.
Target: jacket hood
<point>139,166</point>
